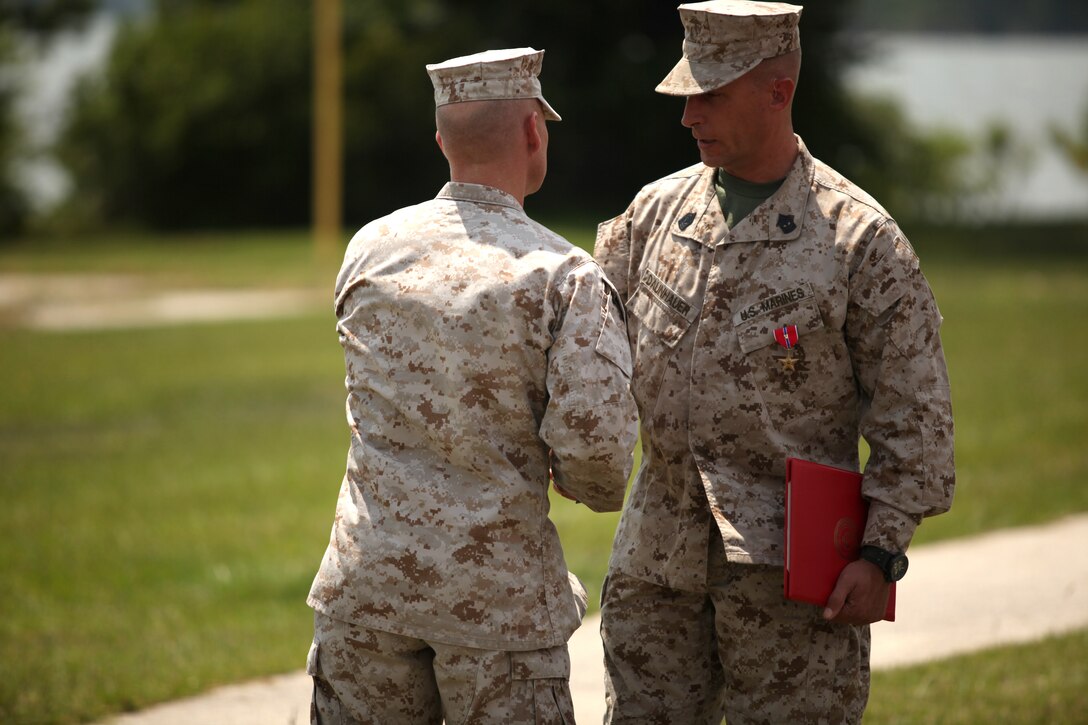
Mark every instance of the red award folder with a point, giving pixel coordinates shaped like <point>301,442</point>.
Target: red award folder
<point>825,518</point>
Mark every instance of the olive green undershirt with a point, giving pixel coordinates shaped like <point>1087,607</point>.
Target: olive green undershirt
<point>739,197</point>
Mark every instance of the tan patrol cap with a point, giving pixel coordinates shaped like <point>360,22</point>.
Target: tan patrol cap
<point>493,75</point>
<point>724,39</point>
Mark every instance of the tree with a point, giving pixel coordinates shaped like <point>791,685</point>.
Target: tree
<point>933,173</point>
<point>22,18</point>
<point>202,117</point>
<point>1074,145</point>
<point>200,120</point>
<point>13,204</point>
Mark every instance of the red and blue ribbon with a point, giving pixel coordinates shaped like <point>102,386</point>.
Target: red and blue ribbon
<point>786,336</point>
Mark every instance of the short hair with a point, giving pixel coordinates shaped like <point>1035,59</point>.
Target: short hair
<point>481,131</point>
<point>787,64</point>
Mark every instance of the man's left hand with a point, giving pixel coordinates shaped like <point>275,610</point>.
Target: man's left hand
<point>860,595</point>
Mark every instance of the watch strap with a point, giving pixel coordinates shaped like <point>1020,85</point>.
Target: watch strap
<point>892,565</point>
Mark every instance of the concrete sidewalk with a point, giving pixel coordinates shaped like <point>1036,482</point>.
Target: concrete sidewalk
<point>75,302</point>
<point>960,596</point>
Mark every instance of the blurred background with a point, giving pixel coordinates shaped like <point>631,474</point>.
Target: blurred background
<point>171,387</point>
<point>190,114</point>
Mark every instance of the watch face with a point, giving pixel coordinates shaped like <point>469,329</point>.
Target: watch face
<point>898,567</point>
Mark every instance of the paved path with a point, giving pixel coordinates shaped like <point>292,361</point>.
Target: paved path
<point>960,596</point>
<point>62,302</point>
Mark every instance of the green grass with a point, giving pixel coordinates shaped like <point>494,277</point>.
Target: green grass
<point>167,497</point>
<point>168,492</point>
<point>243,259</point>
<point>1040,683</point>
<point>1016,343</point>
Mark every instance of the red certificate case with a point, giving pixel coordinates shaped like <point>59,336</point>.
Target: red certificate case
<point>825,518</point>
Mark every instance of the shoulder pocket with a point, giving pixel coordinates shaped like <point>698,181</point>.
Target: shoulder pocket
<point>612,342</point>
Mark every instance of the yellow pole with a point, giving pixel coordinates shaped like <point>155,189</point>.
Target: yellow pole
<point>328,128</point>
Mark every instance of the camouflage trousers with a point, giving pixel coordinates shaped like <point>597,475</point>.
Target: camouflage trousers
<point>739,651</point>
<point>366,676</point>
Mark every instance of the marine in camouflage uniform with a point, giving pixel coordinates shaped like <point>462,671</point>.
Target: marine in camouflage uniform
<point>694,622</point>
<point>484,356</point>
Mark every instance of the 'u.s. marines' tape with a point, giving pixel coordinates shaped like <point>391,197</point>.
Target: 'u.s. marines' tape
<point>773,302</point>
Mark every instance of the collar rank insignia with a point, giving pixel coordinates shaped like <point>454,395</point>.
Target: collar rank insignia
<point>786,223</point>
<point>686,220</point>
<point>786,336</point>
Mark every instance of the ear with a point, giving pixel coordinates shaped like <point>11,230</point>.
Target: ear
<point>532,132</point>
<point>782,90</point>
<point>438,140</point>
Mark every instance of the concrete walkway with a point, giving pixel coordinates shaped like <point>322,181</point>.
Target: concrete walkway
<point>960,596</point>
<point>74,302</point>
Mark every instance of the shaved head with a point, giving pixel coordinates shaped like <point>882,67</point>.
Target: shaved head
<point>481,132</point>
<point>782,66</point>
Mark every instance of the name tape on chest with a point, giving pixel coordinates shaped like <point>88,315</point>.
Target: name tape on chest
<point>664,294</point>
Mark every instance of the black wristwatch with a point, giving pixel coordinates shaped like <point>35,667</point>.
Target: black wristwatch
<point>893,566</point>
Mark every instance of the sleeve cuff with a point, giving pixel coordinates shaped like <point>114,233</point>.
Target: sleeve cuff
<point>888,527</point>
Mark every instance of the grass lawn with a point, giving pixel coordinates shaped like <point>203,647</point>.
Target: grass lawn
<point>168,492</point>
<point>244,259</point>
<point>1016,337</point>
<point>1032,684</point>
<point>168,495</point>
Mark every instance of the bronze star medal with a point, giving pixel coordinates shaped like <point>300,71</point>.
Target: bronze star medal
<point>786,336</point>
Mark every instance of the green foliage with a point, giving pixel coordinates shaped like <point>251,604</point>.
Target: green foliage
<point>43,16</point>
<point>13,205</point>
<point>27,18</point>
<point>1073,144</point>
<point>923,175</point>
<point>202,118</point>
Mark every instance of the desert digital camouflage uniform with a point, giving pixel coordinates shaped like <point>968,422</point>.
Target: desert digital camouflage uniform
<point>722,405</point>
<point>366,676</point>
<point>482,352</point>
<point>717,49</point>
<point>493,75</point>
<point>485,357</point>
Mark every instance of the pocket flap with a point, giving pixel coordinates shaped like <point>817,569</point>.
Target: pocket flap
<point>759,332</point>
<point>540,664</point>
<point>666,323</point>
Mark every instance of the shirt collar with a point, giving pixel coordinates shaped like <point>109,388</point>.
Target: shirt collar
<point>776,219</point>
<point>477,194</point>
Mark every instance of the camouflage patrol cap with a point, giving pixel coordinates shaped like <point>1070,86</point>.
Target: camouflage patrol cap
<point>490,76</point>
<point>724,39</point>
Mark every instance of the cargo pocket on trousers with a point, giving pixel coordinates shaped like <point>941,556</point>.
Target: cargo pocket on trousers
<point>546,673</point>
<point>324,705</point>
